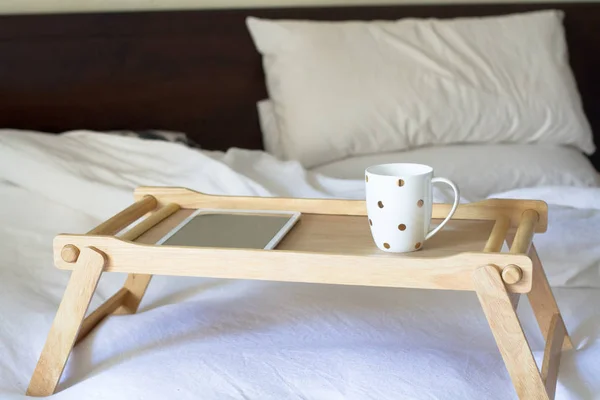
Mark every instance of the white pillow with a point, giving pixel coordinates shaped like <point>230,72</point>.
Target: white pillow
<point>481,170</point>
<point>361,87</point>
<point>269,128</point>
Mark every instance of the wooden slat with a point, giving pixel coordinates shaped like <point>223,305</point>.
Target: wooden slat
<point>100,313</point>
<point>350,235</point>
<point>514,299</point>
<point>525,231</point>
<point>157,232</point>
<point>123,296</point>
<point>115,224</point>
<point>137,284</point>
<point>121,220</point>
<point>489,209</point>
<point>552,353</point>
<point>498,235</point>
<point>508,333</point>
<point>67,323</point>
<point>289,266</point>
<point>148,223</point>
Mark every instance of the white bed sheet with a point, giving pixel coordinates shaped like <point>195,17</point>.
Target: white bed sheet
<point>218,339</point>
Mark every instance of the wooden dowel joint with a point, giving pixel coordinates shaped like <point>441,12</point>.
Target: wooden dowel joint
<point>530,214</point>
<point>70,253</point>
<point>512,274</point>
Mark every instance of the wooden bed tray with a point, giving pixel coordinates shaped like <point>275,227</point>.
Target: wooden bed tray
<point>330,244</point>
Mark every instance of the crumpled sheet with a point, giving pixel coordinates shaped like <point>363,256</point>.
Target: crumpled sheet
<point>196,338</point>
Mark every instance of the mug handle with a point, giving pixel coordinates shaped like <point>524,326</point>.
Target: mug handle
<point>454,206</point>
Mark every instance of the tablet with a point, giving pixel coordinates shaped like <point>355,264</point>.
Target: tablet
<point>232,229</point>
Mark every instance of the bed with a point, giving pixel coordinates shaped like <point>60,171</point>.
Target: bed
<point>84,94</point>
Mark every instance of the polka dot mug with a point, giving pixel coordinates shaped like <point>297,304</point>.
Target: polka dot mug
<point>399,205</point>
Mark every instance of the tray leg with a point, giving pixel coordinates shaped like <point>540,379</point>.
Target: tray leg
<point>136,284</point>
<point>542,300</point>
<point>67,322</point>
<point>509,334</point>
<point>541,297</point>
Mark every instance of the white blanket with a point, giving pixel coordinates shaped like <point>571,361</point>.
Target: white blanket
<point>223,339</point>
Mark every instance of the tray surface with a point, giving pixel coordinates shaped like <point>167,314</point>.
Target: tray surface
<point>351,235</point>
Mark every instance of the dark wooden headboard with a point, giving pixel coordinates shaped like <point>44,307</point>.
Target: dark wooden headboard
<point>196,71</point>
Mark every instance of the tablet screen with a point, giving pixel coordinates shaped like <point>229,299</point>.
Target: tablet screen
<point>229,230</point>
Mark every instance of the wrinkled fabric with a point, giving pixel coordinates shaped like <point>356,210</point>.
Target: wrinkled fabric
<point>233,339</point>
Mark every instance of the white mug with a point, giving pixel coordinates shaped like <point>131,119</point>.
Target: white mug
<point>400,203</point>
